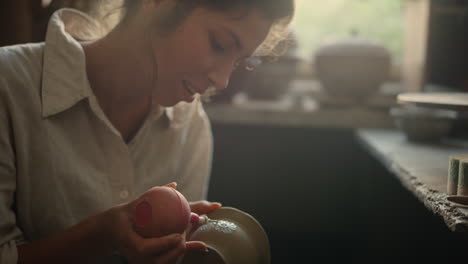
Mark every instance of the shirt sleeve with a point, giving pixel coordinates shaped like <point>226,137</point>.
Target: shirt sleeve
<point>197,156</point>
<point>10,234</point>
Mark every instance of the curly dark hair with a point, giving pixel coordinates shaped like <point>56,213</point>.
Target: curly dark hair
<point>276,10</point>
<point>280,12</point>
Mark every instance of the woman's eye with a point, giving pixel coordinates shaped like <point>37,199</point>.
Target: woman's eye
<point>216,46</point>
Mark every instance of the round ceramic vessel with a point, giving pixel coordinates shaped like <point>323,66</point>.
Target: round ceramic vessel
<point>352,68</point>
<point>234,238</point>
<point>161,211</point>
<point>272,79</point>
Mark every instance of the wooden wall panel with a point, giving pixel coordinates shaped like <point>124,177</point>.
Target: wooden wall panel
<point>415,45</point>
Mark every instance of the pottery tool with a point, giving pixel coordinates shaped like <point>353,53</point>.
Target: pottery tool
<point>454,171</point>
<point>205,220</point>
<point>462,187</point>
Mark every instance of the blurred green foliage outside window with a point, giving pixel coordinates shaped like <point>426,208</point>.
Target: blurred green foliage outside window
<point>318,22</point>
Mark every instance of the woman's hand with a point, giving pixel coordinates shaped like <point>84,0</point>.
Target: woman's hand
<point>117,224</point>
<point>105,233</point>
<point>118,228</point>
<point>199,208</point>
<point>203,207</point>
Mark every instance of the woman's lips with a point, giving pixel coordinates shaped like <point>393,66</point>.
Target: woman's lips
<point>192,89</point>
<point>189,87</point>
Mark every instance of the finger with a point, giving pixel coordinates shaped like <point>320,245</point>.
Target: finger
<point>194,219</point>
<point>172,255</point>
<point>192,225</point>
<point>196,246</point>
<point>172,185</point>
<point>156,246</point>
<point>204,207</point>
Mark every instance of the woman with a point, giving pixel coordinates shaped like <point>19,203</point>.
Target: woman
<point>89,125</point>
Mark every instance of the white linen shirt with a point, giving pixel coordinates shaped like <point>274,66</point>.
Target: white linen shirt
<point>61,160</point>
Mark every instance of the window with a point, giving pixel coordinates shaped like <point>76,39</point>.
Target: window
<point>318,22</point>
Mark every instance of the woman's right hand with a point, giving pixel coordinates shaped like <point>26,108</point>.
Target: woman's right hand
<point>103,234</point>
<point>120,235</point>
<point>118,228</point>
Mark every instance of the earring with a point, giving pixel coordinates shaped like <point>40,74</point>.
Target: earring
<point>251,63</point>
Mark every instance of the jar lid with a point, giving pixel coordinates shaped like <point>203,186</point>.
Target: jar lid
<point>353,47</point>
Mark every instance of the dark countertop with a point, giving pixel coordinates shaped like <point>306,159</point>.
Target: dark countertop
<point>421,168</point>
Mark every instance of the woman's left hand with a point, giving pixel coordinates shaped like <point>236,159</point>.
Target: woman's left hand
<point>203,207</point>
<point>199,208</point>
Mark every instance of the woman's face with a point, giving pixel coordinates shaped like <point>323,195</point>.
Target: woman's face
<point>202,51</point>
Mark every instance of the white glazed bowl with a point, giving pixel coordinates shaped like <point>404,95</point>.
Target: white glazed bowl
<point>236,239</point>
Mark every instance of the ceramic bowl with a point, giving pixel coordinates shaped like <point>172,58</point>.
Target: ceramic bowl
<point>423,124</point>
<point>235,238</point>
<point>458,200</point>
<point>272,79</point>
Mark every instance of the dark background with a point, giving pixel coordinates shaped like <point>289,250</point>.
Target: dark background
<point>447,53</point>
<point>321,196</point>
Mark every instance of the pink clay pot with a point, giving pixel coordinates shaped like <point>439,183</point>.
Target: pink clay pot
<point>161,211</point>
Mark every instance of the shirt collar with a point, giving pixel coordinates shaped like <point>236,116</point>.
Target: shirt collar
<point>64,78</point>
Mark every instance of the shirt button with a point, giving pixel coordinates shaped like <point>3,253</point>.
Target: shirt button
<point>124,194</point>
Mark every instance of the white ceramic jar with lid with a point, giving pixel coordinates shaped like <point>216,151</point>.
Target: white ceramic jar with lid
<point>353,67</point>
